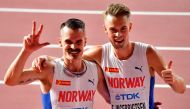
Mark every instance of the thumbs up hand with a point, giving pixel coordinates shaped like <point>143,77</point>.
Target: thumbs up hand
<point>167,74</point>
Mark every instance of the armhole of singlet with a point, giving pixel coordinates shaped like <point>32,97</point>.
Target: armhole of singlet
<point>152,82</point>
<point>103,54</point>
<point>46,101</point>
<point>151,93</point>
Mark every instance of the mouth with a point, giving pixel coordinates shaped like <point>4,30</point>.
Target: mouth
<point>119,41</point>
<point>73,51</point>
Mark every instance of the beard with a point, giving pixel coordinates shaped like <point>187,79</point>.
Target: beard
<point>73,53</point>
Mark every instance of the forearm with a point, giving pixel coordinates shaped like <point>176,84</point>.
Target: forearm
<point>103,91</point>
<point>102,86</point>
<point>179,85</point>
<point>16,68</point>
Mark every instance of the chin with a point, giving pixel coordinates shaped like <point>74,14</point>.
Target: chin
<point>118,46</point>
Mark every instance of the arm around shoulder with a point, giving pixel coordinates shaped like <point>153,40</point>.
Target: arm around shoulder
<point>93,54</point>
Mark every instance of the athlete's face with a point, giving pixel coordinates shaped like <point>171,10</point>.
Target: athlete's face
<point>72,42</point>
<point>117,29</point>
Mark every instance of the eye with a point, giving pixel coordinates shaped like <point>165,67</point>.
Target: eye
<point>123,29</point>
<point>68,42</point>
<point>79,42</point>
<point>113,30</point>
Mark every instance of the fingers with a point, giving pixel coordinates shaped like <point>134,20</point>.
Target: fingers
<point>34,34</point>
<point>40,30</point>
<point>170,65</point>
<point>167,74</point>
<point>34,65</point>
<point>39,63</point>
<point>44,44</point>
<point>34,28</point>
<point>156,105</point>
<point>28,40</point>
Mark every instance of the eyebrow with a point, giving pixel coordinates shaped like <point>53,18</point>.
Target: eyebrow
<point>69,41</point>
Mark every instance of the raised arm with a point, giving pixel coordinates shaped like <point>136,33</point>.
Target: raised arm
<point>157,64</point>
<point>16,74</point>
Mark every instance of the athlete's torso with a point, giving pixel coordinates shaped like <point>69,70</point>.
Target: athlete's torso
<point>129,81</point>
<point>72,92</point>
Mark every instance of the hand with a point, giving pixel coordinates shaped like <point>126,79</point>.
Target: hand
<point>167,75</point>
<point>39,63</point>
<point>157,104</point>
<point>31,42</point>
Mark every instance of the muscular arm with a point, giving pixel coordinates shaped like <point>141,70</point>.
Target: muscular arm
<point>157,64</point>
<point>16,74</point>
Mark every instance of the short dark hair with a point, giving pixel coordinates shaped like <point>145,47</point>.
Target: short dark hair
<point>73,23</point>
<point>117,10</point>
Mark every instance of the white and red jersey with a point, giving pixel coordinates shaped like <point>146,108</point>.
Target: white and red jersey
<point>129,81</point>
<point>72,92</point>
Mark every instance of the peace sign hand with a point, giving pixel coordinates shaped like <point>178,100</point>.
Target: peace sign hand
<point>31,42</point>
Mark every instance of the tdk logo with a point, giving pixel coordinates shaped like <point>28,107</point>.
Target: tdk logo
<point>130,96</point>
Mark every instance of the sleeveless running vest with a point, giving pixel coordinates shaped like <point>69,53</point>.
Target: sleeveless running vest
<point>69,92</point>
<point>129,81</point>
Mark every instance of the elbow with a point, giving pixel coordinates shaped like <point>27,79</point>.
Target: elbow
<point>182,91</point>
<point>108,101</point>
<point>183,88</point>
<point>8,82</point>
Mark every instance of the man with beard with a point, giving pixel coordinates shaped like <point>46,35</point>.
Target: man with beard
<point>129,67</point>
<point>68,82</point>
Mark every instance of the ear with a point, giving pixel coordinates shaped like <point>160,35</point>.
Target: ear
<point>130,26</point>
<point>59,42</point>
<point>85,40</point>
<point>105,30</point>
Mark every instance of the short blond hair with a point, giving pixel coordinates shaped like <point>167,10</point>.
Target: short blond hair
<point>117,10</point>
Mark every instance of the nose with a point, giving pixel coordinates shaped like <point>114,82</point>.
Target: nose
<point>73,46</point>
<point>117,34</point>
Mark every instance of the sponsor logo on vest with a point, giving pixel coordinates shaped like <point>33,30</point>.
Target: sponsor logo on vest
<point>130,106</point>
<point>91,81</point>
<point>63,82</point>
<point>111,70</point>
<point>134,82</point>
<point>139,68</point>
<point>76,96</point>
<point>127,96</point>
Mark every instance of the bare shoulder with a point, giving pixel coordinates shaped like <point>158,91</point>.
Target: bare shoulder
<point>151,51</point>
<point>93,54</point>
<point>155,60</point>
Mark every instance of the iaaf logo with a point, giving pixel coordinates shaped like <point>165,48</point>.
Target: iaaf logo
<point>128,96</point>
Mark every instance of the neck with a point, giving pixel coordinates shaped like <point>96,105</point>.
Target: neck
<point>74,65</point>
<point>125,52</point>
